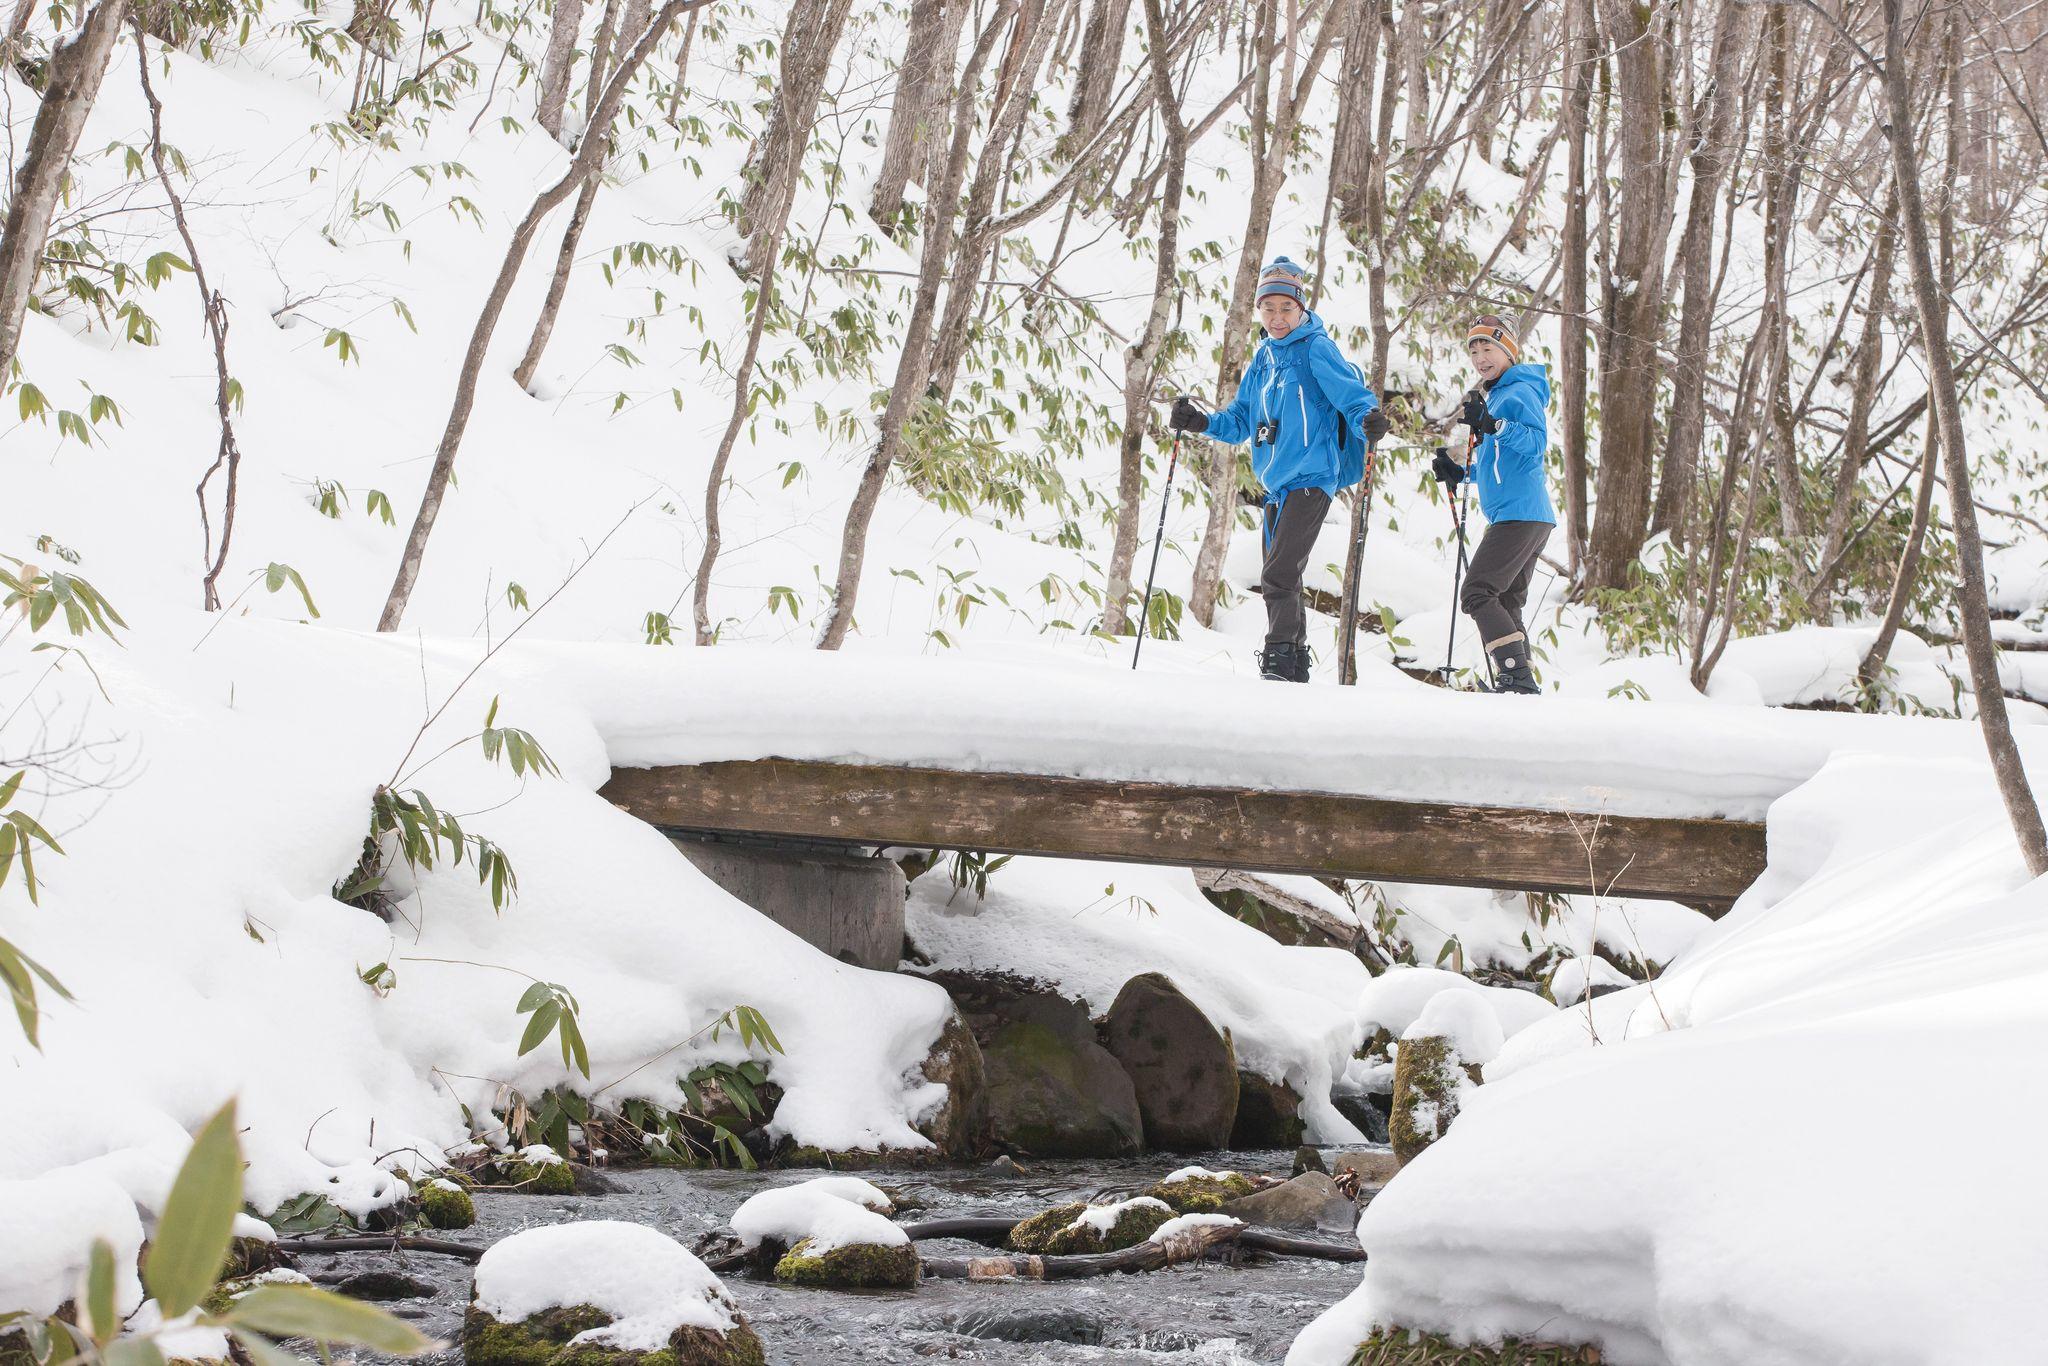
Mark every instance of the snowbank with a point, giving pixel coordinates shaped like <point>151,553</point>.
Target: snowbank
<point>1398,997</point>
<point>241,777</point>
<point>1727,1177</point>
<point>645,1280</point>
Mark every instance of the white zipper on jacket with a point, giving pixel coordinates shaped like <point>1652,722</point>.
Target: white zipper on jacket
<point>1302,399</point>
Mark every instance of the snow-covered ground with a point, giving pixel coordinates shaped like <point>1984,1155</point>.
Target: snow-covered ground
<point>1756,1158</point>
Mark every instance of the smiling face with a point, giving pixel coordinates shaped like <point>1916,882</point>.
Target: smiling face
<point>1488,358</point>
<point>1279,315</point>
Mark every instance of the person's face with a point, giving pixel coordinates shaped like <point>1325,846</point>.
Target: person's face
<point>1279,315</point>
<point>1487,358</point>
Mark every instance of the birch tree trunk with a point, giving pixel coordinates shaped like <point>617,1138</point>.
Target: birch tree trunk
<point>77,66</point>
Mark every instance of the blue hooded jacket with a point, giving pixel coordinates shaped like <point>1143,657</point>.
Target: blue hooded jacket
<point>1508,468</point>
<point>1304,384</point>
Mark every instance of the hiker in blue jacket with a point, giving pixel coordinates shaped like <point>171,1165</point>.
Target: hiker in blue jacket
<point>1507,414</point>
<point>1309,416</point>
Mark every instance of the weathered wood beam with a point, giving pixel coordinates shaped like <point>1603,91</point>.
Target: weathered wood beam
<point>1704,863</point>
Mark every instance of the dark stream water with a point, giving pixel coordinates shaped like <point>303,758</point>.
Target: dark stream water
<point>1204,1313</point>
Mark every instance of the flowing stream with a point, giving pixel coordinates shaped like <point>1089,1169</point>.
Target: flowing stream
<point>1202,1313</point>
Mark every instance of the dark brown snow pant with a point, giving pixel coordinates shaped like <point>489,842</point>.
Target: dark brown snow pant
<point>1497,580</point>
<point>1291,525</point>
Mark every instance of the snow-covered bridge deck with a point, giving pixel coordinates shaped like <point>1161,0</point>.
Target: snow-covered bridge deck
<point>1066,757</point>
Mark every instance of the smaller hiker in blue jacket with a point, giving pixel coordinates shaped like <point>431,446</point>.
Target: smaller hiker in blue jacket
<point>1309,416</point>
<point>1507,412</point>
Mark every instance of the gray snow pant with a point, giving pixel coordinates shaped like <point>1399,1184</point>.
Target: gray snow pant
<point>1291,525</point>
<point>1497,581</point>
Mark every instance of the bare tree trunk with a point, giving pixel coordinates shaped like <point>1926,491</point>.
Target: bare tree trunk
<point>601,53</point>
<point>675,94</point>
<point>1633,304</point>
<point>1141,359</point>
<point>808,43</point>
<point>227,460</point>
<point>918,106</point>
<point>1862,397</point>
<point>555,66</point>
<point>1872,667</point>
<point>1272,138</point>
<point>1971,601</point>
<point>742,407</point>
<point>981,230</point>
<point>1687,428</point>
<point>1780,190</point>
<point>1351,138</point>
<point>1102,53</point>
<point>1573,341</point>
<point>913,364</point>
<point>77,65</point>
<point>558,283</point>
<point>588,155</point>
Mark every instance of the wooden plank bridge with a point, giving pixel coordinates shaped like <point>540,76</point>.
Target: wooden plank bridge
<point>1703,863</point>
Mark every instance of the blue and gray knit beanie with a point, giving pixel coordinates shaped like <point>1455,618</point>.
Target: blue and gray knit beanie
<point>1282,276</point>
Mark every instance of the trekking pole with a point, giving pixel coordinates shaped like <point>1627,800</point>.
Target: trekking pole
<point>1457,574</point>
<point>1158,539</point>
<point>1354,571</point>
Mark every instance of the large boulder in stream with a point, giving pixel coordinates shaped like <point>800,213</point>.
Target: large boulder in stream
<point>1268,1115</point>
<point>1311,1200</point>
<point>1182,1067</point>
<point>601,1293</point>
<point>961,1127</point>
<point>1053,1091</point>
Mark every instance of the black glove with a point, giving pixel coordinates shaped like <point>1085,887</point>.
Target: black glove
<point>1448,472</point>
<point>1376,426</point>
<point>1476,417</point>
<point>1187,417</point>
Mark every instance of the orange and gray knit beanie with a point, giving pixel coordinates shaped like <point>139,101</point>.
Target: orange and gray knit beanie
<point>1491,327</point>
<point>1282,276</point>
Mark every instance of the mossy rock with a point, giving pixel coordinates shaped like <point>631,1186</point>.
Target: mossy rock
<point>859,1266</point>
<point>856,1159</point>
<point>544,1340</point>
<point>1268,1115</point>
<point>225,1292</point>
<point>1427,1349</point>
<point>533,1178</point>
<point>443,1204</point>
<point>1052,1233</point>
<point>1203,1194</point>
<point>1429,1079</point>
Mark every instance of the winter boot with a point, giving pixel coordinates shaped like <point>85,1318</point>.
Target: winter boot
<point>1511,668</point>
<point>1285,661</point>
